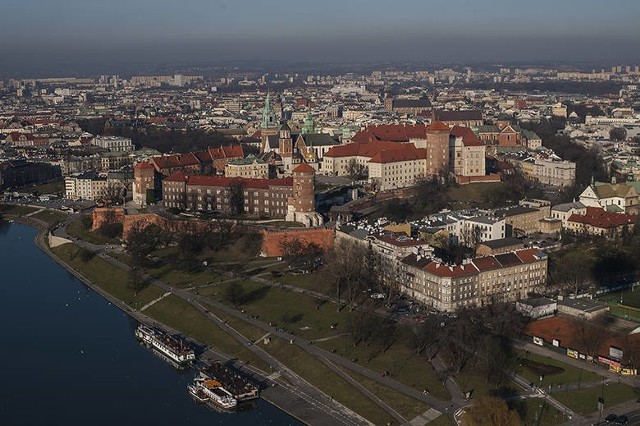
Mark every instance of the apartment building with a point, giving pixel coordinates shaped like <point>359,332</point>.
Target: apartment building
<point>113,143</point>
<point>554,172</point>
<point>87,186</point>
<point>504,277</point>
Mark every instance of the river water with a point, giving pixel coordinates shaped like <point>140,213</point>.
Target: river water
<point>68,357</point>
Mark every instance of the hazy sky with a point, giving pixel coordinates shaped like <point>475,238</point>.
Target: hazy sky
<point>103,33</point>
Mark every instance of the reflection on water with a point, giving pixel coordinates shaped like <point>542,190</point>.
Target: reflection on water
<point>68,357</point>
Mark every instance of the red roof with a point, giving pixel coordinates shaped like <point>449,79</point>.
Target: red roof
<point>407,152</point>
<point>226,181</point>
<point>469,138</point>
<point>452,271</point>
<point>486,263</point>
<point>198,158</point>
<point>529,255</point>
<point>304,168</point>
<point>601,218</point>
<point>567,331</point>
<point>437,126</point>
<point>368,149</point>
<point>144,165</point>
<point>390,132</point>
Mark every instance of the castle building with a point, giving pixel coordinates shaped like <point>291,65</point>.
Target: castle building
<point>144,181</point>
<point>292,198</point>
<point>302,203</point>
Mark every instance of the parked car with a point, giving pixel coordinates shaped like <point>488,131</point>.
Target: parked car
<point>611,418</point>
<point>622,420</point>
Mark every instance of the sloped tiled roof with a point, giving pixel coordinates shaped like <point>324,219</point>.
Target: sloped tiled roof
<point>368,149</point>
<point>408,152</point>
<point>438,126</point>
<point>390,132</point>
<point>304,168</point>
<point>603,219</point>
<point>469,138</point>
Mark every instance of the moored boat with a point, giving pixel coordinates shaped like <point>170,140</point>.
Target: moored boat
<point>174,348</point>
<point>211,391</point>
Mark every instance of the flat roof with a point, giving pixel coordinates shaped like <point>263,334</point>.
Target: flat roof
<point>585,305</point>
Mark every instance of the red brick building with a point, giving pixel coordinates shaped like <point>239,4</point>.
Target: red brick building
<point>261,197</point>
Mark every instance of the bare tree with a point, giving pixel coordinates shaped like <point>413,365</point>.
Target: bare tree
<point>490,410</point>
<point>112,193</point>
<point>346,270</point>
<point>236,197</point>
<point>300,254</point>
<point>590,336</point>
<point>356,171</point>
<point>572,272</point>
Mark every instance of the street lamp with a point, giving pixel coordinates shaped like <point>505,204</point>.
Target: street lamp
<point>601,402</point>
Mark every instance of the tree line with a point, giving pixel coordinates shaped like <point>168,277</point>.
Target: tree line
<point>161,139</point>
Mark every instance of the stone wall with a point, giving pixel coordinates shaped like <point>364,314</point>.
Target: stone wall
<point>104,215</point>
<point>272,240</point>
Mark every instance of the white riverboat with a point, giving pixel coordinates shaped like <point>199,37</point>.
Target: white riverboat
<point>206,389</point>
<point>174,348</point>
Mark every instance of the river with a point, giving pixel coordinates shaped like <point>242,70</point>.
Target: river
<point>68,357</point>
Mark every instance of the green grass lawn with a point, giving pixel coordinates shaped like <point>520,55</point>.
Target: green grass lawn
<point>182,279</point>
<point>585,401</point>
<point>50,216</point>
<point>536,411</point>
<point>247,330</point>
<point>299,313</point>
<point>473,378</point>
<point>285,224</point>
<point>15,210</point>
<point>442,420</point>
<point>312,281</point>
<point>77,229</point>
<point>629,297</point>
<point>320,375</point>
<point>405,405</point>
<point>568,374</point>
<point>401,362</point>
<point>55,187</point>
<point>473,193</point>
<point>182,316</point>
<point>111,279</point>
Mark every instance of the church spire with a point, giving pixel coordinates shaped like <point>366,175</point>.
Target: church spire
<point>269,120</point>
<point>309,125</point>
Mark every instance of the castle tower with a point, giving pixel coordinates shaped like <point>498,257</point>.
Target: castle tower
<point>302,203</point>
<point>143,181</point>
<point>437,148</point>
<point>285,143</point>
<point>304,188</point>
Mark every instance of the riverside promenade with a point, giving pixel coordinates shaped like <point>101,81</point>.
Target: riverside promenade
<point>301,400</point>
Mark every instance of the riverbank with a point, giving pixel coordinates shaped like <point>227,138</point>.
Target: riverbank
<point>67,338</point>
<point>285,398</point>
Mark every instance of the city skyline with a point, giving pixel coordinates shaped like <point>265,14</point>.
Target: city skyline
<point>77,36</point>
